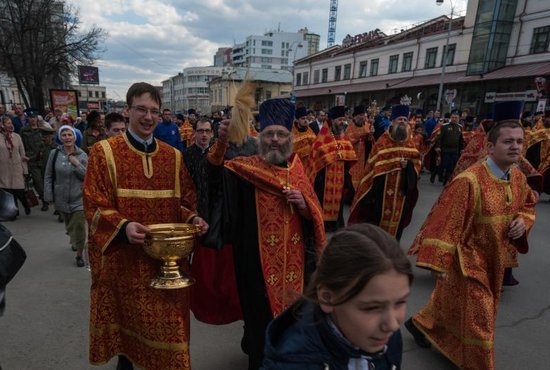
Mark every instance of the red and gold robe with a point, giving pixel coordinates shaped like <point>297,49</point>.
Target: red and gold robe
<point>186,133</point>
<point>330,153</point>
<point>149,326</point>
<point>362,140</point>
<point>385,160</point>
<point>464,236</point>
<point>301,143</point>
<point>280,232</point>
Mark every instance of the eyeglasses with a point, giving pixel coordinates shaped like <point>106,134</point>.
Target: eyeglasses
<point>142,111</point>
<point>271,134</point>
<point>201,131</point>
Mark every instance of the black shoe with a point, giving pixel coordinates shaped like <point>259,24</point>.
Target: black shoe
<point>419,337</point>
<point>509,279</point>
<point>432,177</point>
<point>27,211</point>
<point>124,363</point>
<point>59,218</point>
<point>79,261</point>
<point>45,207</point>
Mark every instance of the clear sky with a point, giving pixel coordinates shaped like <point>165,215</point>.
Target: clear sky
<point>151,40</point>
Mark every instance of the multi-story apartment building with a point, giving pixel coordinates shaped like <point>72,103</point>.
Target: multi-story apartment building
<point>196,93</point>
<point>274,49</point>
<point>494,52</point>
<point>172,93</point>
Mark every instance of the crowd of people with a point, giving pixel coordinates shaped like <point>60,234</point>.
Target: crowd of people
<point>265,191</point>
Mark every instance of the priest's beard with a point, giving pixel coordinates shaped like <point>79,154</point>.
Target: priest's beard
<point>275,156</point>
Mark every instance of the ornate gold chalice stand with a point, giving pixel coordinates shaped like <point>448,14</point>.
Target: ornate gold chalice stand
<point>170,243</point>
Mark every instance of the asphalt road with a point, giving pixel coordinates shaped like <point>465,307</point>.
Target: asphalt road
<point>45,325</point>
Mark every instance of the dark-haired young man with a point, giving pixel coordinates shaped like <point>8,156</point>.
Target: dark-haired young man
<point>134,180</point>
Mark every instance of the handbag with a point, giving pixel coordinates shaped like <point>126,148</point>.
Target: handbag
<point>8,209</point>
<point>30,195</point>
<point>12,256</point>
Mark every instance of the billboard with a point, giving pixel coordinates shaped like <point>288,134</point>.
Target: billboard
<point>66,100</point>
<point>88,75</point>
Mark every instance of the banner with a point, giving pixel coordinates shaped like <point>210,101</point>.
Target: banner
<point>66,100</point>
<point>88,75</point>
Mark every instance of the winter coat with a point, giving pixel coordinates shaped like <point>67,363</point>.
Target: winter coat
<point>12,169</point>
<point>66,192</point>
<point>301,338</point>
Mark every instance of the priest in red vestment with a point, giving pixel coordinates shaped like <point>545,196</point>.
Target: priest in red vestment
<point>274,221</point>
<point>473,233</point>
<point>387,193</point>
<point>134,180</point>
<point>331,159</point>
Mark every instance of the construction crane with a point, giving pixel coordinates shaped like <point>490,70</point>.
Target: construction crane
<point>332,22</point>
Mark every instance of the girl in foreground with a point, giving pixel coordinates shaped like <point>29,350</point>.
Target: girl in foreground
<point>352,309</point>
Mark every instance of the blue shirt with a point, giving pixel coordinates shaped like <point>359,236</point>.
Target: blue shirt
<point>169,133</point>
<point>495,170</point>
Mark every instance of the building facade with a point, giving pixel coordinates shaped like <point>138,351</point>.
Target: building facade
<point>273,50</point>
<point>91,97</point>
<point>9,93</point>
<point>269,83</point>
<point>196,93</point>
<point>495,52</point>
<point>172,93</point>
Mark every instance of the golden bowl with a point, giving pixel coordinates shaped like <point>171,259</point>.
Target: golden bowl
<point>170,243</point>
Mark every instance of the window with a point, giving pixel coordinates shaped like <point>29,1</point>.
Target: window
<point>267,43</point>
<point>347,71</point>
<point>103,94</point>
<point>306,78</point>
<point>363,68</point>
<point>284,61</point>
<point>337,73</point>
<point>316,76</point>
<point>450,54</point>
<point>90,94</point>
<point>267,51</point>
<point>266,60</point>
<point>268,94</point>
<point>298,79</point>
<point>541,38</point>
<point>374,67</point>
<point>266,66</point>
<point>79,93</point>
<point>431,55</point>
<point>394,61</point>
<point>407,62</point>
<point>324,75</point>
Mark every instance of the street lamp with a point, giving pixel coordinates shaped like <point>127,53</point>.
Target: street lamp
<point>298,45</point>
<point>442,77</point>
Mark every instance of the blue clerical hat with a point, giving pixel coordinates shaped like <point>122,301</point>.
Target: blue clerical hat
<point>507,110</point>
<point>337,112</point>
<point>301,112</point>
<point>359,109</point>
<point>277,112</point>
<point>399,111</point>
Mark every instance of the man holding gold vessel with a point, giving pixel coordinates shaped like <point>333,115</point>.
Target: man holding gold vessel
<point>134,180</point>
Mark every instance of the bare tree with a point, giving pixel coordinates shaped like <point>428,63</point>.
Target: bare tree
<point>41,45</point>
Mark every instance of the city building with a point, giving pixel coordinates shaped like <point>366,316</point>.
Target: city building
<point>91,97</point>
<point>196,93</point>
<point>9,93</point>
<point>270,83</point>
<point>222,57</point>
<point>172,93</point>
<point>275,49</point>
<point>495,52</point>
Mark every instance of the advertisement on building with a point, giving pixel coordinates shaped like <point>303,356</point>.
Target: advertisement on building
<point>88,75</point>
<point>66,100</point>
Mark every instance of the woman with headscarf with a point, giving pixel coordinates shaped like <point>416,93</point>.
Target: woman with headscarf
<point>63,181</point>
<point>13,162</point>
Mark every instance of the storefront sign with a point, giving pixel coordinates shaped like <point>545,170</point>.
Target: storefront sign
<point>529,95</point>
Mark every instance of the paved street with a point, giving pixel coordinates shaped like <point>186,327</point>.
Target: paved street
<point>45,325</point>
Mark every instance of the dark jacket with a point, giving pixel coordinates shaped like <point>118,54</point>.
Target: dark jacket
<point>301,338</point>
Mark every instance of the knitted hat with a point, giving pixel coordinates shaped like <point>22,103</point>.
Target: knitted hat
<point>76,133</point>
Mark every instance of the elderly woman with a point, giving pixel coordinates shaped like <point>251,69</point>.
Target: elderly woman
<point>13,162</point>
<point>63,181</point>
